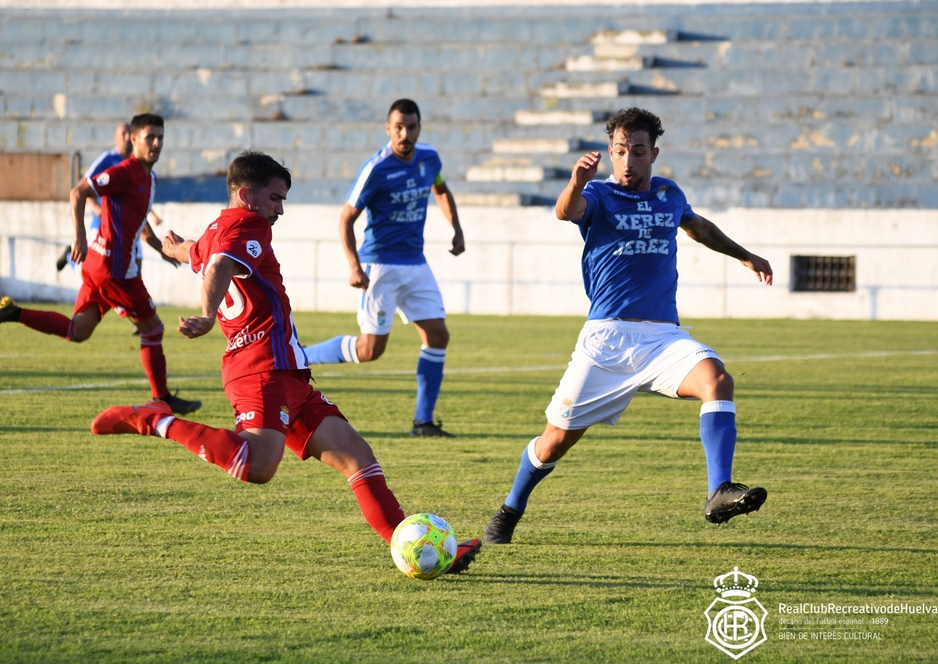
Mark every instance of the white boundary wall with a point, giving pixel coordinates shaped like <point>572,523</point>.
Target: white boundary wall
<point>524,261</point>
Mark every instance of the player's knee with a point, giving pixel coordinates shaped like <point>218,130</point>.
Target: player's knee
<point>439,339</point>
<point>723,386</point>
<point>369,354</point>
<point>370,349</point>
<point>262,472</point>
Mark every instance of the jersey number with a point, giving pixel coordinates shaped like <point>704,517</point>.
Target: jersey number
<point>236,308</point>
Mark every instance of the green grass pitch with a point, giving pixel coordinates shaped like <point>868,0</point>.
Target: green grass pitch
<point>130,549</point>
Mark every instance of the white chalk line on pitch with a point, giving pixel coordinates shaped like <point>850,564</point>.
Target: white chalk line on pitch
<point>478,370</point>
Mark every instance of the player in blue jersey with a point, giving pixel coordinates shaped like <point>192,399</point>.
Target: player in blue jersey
<point>394,187</point>
<point>631,341</point>
<point>122,150</point>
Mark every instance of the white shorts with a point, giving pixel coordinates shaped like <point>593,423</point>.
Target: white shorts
<point>615,359</point>
<point>411,290</point>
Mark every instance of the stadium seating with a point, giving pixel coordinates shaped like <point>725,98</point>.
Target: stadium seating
<point>788,105</point>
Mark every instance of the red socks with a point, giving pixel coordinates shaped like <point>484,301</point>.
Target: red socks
<point>154,361</point>
<point>223,447</point>
<point>48,322</point>
<point>378,505</point>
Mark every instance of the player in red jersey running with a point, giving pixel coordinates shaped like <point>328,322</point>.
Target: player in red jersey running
<point>110,274</point>
<point>264,370</point>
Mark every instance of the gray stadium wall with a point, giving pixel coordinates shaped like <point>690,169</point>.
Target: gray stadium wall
<point>525,261</point>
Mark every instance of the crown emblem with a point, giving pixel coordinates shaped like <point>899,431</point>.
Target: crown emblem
<point>736,584</point>
<point>736,619</point>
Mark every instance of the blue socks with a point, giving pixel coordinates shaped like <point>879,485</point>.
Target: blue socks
<point>334,351</point>
<point>530,472</point>
<point>429,380</point>
<point>718,435</point>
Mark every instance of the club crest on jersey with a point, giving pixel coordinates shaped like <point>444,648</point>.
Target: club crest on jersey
<point>567,407</point>
<point>423,169</point>
<point>253,247</point>
<point>381,318</point>
<point>285,415</point>
<point>103,179</point>
<point>663,194</point>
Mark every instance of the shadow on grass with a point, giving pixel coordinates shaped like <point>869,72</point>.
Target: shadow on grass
<point>460,437</point>
<point>49,429</point>
<point>599,581</point>
<point>752,545</point>
<point>611,581</point>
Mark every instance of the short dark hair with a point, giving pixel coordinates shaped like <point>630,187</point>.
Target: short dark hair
<point>255,170</point>
<point>406,107</point>
<point>635,119</point>
<point>144,120</point>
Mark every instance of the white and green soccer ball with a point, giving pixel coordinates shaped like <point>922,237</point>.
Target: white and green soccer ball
<point>423,546</point>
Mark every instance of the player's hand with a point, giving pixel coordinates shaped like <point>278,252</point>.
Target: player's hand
<point>761,267</point>
<point>459,243</point>
<point>359,279</point>
<point>171,242</point>
<point>585,169</point>
<point>79,250</point>
<point>195,326</point>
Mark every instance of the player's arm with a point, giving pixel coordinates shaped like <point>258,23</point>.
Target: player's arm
<point>150,238</point>
<point>444,198</point>
<point>76,202</point>
<point>571,206</point>
<point>709,235</point>
<point>347,219</point>
<point>215,284</point>
<point>154,218</point>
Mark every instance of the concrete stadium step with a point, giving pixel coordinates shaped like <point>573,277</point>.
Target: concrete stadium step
<point>512,173</point>
<point>603,89</point>
<point>537,145</point>
<point>840,81</point>
<point>774,55</point>
<point>604,64</point>
<point>19,26</point>
<point>548,27</point>
<point>571,117</point>
<point>495,199</point>
<point>634,37</point>
<point>440,109</point>
<point>489,56</point>
<point>155,56</point>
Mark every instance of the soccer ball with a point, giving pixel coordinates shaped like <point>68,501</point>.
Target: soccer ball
<point>423,546</point>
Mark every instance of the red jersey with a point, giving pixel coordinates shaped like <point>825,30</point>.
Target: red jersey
<point>255,315</point>
<point>127,194</point>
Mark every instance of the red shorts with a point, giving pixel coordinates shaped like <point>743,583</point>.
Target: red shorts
<point>128,297</point>
<point>283,401</point>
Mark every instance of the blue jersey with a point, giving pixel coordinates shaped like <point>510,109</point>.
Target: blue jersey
<point>395,194</point>
<point>630,255</point>
<point>101,164</point>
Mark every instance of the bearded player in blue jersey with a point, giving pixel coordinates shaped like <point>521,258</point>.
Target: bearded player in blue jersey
<point>631,341</point>
<point>394,186</point>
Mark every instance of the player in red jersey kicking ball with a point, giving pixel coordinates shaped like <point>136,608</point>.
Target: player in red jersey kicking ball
<point>110,275</point>
<point>264,369</point>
